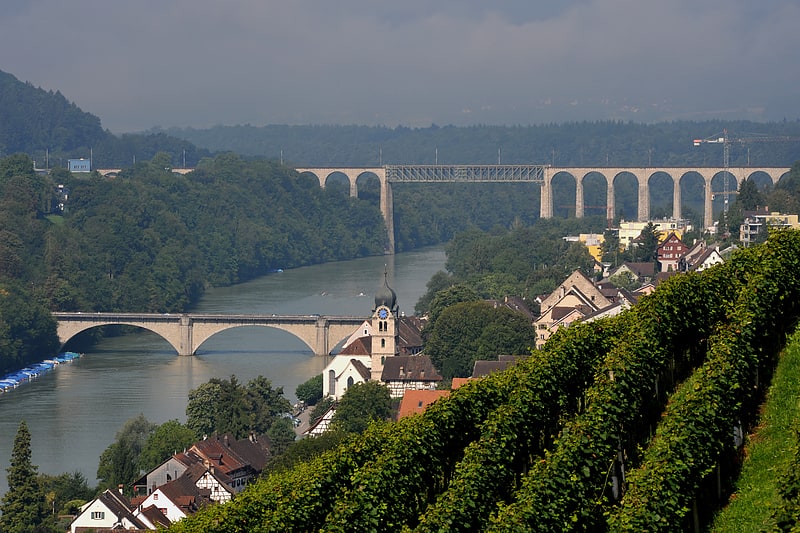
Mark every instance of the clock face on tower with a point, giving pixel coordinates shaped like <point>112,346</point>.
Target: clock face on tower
<point>382,313</point>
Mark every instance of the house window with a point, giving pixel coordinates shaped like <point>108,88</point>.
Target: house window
<point>155,496</point>
<point>98,515</point>
<point>350,382</point>
<point>383,343</point>
<point>332,383</point>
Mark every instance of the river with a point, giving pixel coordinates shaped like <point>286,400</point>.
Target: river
<point>75,411</point>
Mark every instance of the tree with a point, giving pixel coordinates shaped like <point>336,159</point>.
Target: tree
<point>119,463</point>
<point>202,409</point>
<point>610,247</point>
<point>644,248</point>
<point>281,434</point>
<point>469,331</point>
<point>310,392</point>
<point>265,405</point>
<point>64,489</point>
<point>625,280</point>
<point>447,297</point>
<point>438,282</point>
<point>167,439</point>
<point>305,449</point>
<point>224,406</point>
<point>361,404</point>
<point>23,505</point>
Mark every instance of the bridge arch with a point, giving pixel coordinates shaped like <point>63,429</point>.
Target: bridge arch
<point>69,330</point>
<point>664,195</point>
<point>202,334</point>
<point>626,185</point>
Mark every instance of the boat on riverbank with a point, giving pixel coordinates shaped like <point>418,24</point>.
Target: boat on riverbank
<point>14,379</point>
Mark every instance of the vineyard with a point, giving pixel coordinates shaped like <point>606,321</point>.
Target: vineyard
<point>633,423</point>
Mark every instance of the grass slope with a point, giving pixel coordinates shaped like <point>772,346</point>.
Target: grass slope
<point>768,451</point>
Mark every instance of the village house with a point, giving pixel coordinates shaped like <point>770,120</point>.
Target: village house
<point>756,224</point>
<point>576,297</point>
<point>669,253</point>
<point>111,510</point>
<point>404,373</point>
<point>179,498</point>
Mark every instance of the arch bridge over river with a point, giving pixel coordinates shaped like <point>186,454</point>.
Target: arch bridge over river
<point>186,332</point>
<point>544,175</point>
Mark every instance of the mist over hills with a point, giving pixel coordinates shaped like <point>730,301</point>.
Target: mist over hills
<point>47,126</point>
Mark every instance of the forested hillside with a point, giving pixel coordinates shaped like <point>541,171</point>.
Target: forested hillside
<point>151,240</point>
<point>50,129</point>
<point>630,423</point>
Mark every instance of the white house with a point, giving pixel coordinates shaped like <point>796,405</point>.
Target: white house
<point>177,499</point>
<point>110,510</point>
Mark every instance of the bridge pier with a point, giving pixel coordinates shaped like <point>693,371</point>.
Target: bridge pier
<point>185,327</point>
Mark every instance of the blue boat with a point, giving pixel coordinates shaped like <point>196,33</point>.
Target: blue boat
<point>15,379</point>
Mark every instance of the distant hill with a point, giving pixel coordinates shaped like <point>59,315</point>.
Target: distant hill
<point>33,119</point>
<point>609,143</point>
<point>51,129</point>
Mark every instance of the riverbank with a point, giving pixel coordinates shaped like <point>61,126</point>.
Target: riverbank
<point>81,408</point>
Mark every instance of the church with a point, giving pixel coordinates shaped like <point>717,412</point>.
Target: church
<point>387,347</point>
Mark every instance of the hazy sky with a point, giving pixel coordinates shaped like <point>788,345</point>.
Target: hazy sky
<point>138,64</point>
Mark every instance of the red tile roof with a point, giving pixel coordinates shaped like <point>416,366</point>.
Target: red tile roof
<point>416,401</point>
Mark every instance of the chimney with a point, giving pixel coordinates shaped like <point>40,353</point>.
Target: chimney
<point>119,488</point>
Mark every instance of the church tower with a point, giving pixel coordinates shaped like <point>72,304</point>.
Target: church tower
<point>384,327</point>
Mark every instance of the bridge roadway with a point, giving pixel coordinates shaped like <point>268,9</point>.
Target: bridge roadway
<point>544,175</point>
<point>186,332</point>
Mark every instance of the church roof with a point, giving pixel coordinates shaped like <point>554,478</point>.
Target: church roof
<point>385,295</point>
<point>360,346</point>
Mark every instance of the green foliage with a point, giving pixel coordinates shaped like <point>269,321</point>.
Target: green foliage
<point>787,514</point>
<point>27,330</point>
<point>225,406</point>
<point>625,280</point>
<point>769,469</point>
<point>281,435</point>
<point>471,331</point>
<point>361,404</point>
<point>524,262</point>
<point>64,490</point>
<point>310,391</point>
<point>438,282</point>
<point>23,504</point>
<point>119,463</point>
<point>321,408</point>
<point>166,440</point>
<point>305,449</point>
<point>446,297</point>
<point>644,248</point>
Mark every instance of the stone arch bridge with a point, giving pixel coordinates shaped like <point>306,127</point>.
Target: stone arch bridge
<point>186,332</point>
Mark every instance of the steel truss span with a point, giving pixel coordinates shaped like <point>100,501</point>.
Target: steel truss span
<point>465,173</point>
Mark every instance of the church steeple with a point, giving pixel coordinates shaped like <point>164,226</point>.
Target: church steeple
<point>385,296</point>
<point>384,327</point>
